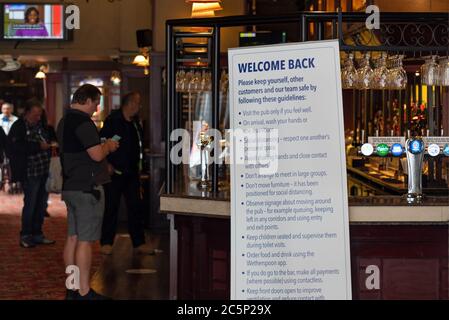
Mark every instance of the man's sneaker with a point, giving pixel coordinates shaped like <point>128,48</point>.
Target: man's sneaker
<point>27,242</point>
<point>144,249</point>
<point>42,240</point>
<point>71,294</point>
<point>106,249</point>
<point>91,295</point>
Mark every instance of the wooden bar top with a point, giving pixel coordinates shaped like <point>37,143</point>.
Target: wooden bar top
<point>378,209</point>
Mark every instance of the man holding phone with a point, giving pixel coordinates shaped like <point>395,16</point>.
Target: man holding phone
<point>125,166</point>
<point>84,173</point>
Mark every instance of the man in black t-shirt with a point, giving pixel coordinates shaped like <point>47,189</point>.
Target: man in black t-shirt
<point>84,172</point>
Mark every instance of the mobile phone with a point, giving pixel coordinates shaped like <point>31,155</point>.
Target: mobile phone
<point>116,138</point>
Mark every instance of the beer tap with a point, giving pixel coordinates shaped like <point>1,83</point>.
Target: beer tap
<point>415,157</point>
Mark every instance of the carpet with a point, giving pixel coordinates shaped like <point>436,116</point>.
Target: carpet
<point>38,273</point>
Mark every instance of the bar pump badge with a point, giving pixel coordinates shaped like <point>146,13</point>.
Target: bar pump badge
<point>367,149</point>
<point>446,150</point>
<point>397,150</point>
<point>416,146</point>
<point>383,149</point>
<point>433,150</point>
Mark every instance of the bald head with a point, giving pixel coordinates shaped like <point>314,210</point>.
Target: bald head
<point>131,104</point>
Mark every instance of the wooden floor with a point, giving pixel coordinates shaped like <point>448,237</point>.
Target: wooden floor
<point>113,280</point>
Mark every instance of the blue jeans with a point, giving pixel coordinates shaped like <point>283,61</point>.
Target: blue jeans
<point>34,204</point>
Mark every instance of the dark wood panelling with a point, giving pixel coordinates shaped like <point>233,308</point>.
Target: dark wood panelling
<point>412,260</point>
<point>203,258</point>
<point>410,279</point>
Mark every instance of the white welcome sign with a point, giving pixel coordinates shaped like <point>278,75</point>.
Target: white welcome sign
<point>290,228</point>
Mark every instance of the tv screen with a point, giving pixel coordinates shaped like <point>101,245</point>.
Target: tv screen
<point>33,21</point>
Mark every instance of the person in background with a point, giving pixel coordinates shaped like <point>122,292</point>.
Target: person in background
<point>125,166</point>
<point>32,27</point>
<point>29,153</point>
<point>53,142</point>
<point>7,120</point>
<point>3,161</point>
<point>2,147</point>
<point>84,173</point>
<point>3,176</point>
<point>7,117</point>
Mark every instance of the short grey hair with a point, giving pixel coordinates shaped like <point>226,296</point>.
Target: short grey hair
<point>8,105</point>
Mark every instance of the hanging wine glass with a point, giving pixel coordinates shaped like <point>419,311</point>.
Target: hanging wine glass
<point>400,76</point>
<point>443,73</point>
<point>203,81</point>
<point>380,73</point>
<point>208,81</point>
<point>348,75</point>
<point>396,77</point>
<point>364,74</point>
<point>180,76</point>
<point>224,82</point>
<point>391,65</point>
<point>184,85</point>
<point>195,82</point>
<point>429,72</point>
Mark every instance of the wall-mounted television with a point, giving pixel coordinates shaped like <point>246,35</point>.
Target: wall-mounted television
<point>33,21</point>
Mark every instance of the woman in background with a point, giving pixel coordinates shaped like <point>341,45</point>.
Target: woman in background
<point>33,26</point>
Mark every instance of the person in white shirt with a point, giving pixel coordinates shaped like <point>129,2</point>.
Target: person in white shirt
<point>7,118</point>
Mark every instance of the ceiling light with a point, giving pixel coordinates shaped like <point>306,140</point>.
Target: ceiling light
<point>139,59</point>
<point>204,8</point>
<point>41,73</point>
<point>143,59</point>
<point>116,79</point>
<point>145,63</point>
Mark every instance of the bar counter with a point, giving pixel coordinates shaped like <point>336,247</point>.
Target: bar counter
<point>409,245</point>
